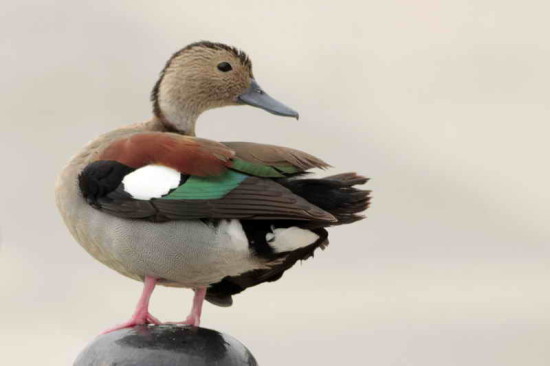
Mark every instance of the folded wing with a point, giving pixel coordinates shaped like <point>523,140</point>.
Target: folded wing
<point>280,160</point>
<point>200,179</point>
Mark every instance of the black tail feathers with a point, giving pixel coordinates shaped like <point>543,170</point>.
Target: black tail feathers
<point>335,194</point>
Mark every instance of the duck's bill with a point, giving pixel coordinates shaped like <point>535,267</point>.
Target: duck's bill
<point>256,97</point>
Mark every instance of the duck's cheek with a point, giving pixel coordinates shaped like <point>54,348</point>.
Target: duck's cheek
<point>228,94</point>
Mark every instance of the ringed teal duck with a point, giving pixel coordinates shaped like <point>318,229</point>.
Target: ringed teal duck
<point>159,205</point>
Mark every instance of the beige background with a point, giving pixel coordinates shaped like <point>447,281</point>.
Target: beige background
<point>445,104</point>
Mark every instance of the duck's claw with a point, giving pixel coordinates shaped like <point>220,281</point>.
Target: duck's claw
<point>137,319</point>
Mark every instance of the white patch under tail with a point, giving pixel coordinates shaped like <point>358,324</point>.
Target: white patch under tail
<point>237,236</point>
<point>151,181</point>
<point>289,239</point>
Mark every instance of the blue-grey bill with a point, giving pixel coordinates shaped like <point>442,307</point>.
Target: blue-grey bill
<point>256,97</point>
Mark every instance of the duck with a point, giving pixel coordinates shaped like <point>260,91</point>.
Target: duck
<point>159,205</point>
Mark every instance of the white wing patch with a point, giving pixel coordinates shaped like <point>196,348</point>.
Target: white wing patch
<point>289,239</point>
<point>151,181</point>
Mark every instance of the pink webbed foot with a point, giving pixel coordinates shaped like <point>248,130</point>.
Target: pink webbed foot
<point>137,319</point>
<point>141,315</point>
<point>192,319</point>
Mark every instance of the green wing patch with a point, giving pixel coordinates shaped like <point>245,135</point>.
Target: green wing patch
<point>288,169</point>
<point>207,188</point>
<point>216,187</point>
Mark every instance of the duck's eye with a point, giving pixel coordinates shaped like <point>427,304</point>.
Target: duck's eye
<point>224,66</point>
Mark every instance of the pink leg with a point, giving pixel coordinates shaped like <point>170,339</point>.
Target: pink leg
<point>194,318</point>
<point>141,314</point>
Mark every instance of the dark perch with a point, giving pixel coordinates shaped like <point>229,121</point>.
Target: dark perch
<point>165,345</point>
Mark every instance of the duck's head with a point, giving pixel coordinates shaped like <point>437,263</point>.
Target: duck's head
<point>206,75</point>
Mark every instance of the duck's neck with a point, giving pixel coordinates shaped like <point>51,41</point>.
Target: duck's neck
<point>178,119</point>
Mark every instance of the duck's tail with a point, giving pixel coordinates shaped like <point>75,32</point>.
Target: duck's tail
<point>335,194</point>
